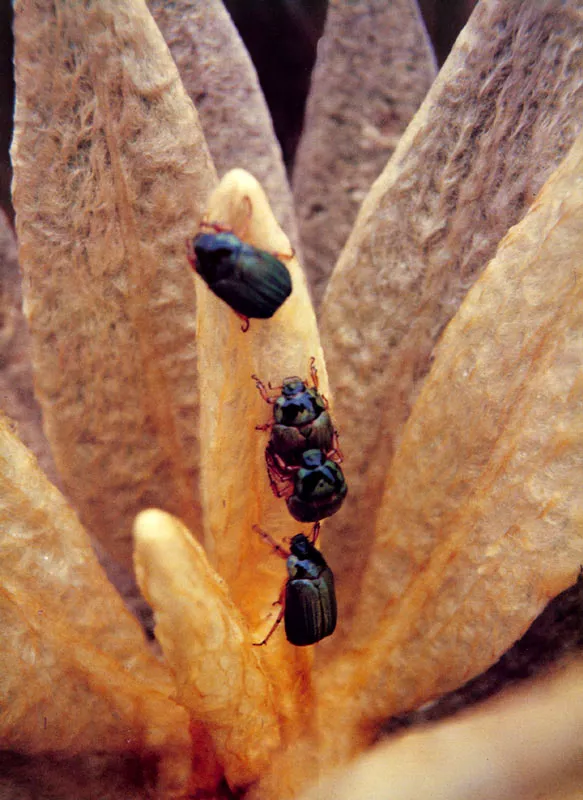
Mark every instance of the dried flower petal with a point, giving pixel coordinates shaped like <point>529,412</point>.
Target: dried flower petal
<point>526,744</point>
<point>502,113</point>
<point>111,173</point>
<point>206,642</point>
<point>235,488</point>
<point>220,78</point>
<point>374,67</point>
<point>480,523</point>
<point>60,651</point>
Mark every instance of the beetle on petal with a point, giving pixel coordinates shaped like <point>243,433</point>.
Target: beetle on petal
<point>308,599</point>
<point>253,282</point>
<point>301,419</point>
<point>314,490</point>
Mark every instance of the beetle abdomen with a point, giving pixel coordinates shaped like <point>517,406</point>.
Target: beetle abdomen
<point>310,609</point>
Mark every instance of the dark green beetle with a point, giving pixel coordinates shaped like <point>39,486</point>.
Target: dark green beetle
<point>301,420</point>
<point>314,490</point>
<point>308,599</point>
<point>253,282</point>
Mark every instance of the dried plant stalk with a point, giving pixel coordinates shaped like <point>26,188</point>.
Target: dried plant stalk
<point>235,486</point>
<point>220,78</point>
<point>374,67</point>
<point>503,112</point>
<point>52,637</point>
<point>206,642</point>
<point>111,172</point>
<point>525,744</point>
<point>480,523</point>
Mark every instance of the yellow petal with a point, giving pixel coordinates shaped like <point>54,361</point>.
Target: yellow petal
<point>69,643</point>
<point>374,67</point>
<point>502,113</point>
<point>110,176</point>
<point>208,646</point>
<point>481,518</point>
<point>235,487</point>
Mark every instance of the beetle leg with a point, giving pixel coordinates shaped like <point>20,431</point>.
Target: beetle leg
<point>264,427</point>
<point>279,475</point>
<point>273,627</point>
<point>190,255</point>
<point>246,323</point>
<point>263,391</point>
<point>284,256</point>
<point>314,372</point>
<point>281,551</point>
<point>336,453</point>
<point>315,533</point>
<point>214,226</point>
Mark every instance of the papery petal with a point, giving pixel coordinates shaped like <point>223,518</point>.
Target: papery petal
<point>16,387</point>
<point>221,80</point>
<point>480,523</point>
<point>525,744</point>
<point>235,486</point>
<point>111,173</point>
<point>374,67</point>
<point>500,116</point>
<point>76,675</point>
<point>218,672</point>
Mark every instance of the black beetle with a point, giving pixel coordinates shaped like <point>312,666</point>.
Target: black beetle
<point>308,600</point>
<point>301,420</point>
<point>253,282</point>
<point>314,490</point>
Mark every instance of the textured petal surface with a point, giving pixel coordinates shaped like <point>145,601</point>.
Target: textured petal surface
<point>111,173</point>
<point>502,113</point>
<point>480,523</point>
<point>218,672</point>
<point>526,744</point>
<point>220,78</point>
<point>61,652</point>
<point>374,67</point>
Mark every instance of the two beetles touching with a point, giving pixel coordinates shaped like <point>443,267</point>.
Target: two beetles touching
<point>302,455</point>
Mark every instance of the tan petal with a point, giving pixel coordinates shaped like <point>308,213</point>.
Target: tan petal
<point>220,78</point>
<point>480,523</point>
<point>523,745</point>
<point>111,173</point>
<point>235,487</point>
<point>374,67</point>
<point>16,389</point>
<point>68,641</point>
<point>503,111</point>
<point>206,642</point>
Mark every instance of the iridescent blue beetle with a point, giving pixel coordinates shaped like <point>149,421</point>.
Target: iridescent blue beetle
<point>313,490</point>
<point>308,599</point>
<point>253,282</point>
<point>301,420</point>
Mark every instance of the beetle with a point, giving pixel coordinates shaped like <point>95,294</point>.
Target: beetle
<point>253,282</point>
<point>307,599</point>
<point>301,419</point>
<point>313,490</point>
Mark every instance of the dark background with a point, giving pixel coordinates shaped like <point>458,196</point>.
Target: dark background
<point>281,36</point>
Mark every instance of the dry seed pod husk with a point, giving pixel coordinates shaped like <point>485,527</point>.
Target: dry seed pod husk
<point>502,113</point>
<point>63,625</point>
<point>374,67</point>
<point>110,175</point>
<point>206,642</point>
<point>219,76</point>
<point>480,523</point>
<point>235,487</point>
